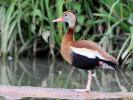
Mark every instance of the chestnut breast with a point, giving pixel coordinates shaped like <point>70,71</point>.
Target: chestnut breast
<point>66,52</point>
<point>65,45</point>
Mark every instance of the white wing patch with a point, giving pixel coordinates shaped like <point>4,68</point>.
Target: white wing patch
<point>88,53</point>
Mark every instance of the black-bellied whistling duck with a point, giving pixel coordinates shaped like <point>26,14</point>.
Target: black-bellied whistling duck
<point>83,54</point>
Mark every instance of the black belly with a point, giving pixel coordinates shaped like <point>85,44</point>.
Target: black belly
<point>84,62</point>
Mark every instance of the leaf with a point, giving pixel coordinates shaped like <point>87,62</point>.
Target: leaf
<point>26,17</point>
<point>100,21</point>
<point>37,12</point>
<point>33,28</point>
<point>78,27</point>
<point>77,6</point>
<point>81,19</point>
<point>130,20</point>
<point>130,46</point>
<point>45,35</point>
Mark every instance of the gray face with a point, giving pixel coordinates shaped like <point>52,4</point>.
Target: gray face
<point>69,18</point>
<point>66,17</point>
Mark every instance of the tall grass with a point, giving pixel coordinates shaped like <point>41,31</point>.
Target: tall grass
<point>117,15</point>
<point>26,26</point>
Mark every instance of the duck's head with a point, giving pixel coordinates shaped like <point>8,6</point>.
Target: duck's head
<point>69,17</point>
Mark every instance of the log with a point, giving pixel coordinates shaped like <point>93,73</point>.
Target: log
<point>19,92</point>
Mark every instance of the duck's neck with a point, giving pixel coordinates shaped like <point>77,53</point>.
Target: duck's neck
<point>69,36</point>
<point>65,44</point>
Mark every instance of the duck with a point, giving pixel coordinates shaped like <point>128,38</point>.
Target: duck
<point>83,54</point>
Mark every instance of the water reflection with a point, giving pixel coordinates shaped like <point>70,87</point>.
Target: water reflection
<point>58,74</point>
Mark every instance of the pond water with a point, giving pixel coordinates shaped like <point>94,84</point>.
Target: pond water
<point>59,74</point>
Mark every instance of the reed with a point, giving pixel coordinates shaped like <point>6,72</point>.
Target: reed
<point>117,15</point>
<point>24,23</point>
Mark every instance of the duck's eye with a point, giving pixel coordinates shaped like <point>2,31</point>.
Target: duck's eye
<point>65,14</point>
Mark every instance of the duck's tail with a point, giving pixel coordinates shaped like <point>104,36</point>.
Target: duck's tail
<point>108,64</point>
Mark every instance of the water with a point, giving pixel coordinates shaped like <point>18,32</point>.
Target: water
<point>59,74</point>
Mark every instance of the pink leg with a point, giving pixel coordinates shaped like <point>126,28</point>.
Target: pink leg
<point>88,84</point>
<point>100,63</point>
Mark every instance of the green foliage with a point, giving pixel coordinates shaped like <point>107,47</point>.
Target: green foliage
<point>118,13</point>
<point>26,25</point>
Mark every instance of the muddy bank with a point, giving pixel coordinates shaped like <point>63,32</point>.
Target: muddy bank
<point>19,92</point>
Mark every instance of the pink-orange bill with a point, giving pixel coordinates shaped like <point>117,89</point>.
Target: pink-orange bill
<point>58,19</point>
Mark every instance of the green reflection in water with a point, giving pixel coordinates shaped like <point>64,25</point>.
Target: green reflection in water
<point>45,73</point>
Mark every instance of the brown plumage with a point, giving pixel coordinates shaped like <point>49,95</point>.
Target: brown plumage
<point>83,54</point>
<point>95,47</point>
<point>65,44</point>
